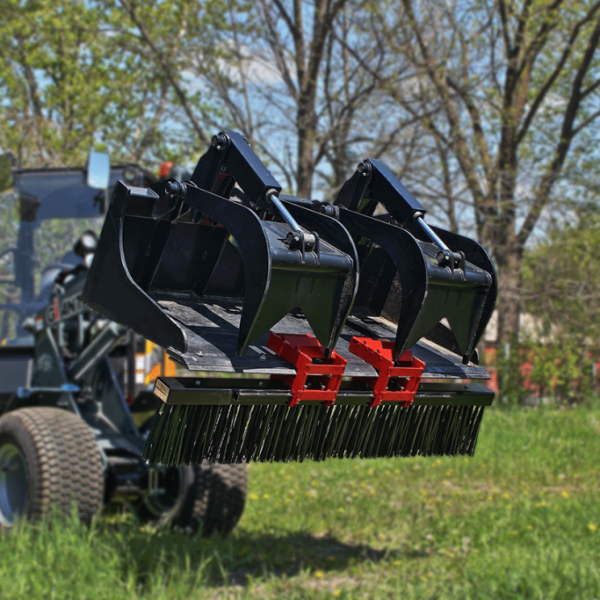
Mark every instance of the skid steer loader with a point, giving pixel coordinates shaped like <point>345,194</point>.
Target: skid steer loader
<point>308,329</point>
<point>74,401</point>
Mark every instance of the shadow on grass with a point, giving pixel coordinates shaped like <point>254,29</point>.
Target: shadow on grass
<point>293,553</point>
<point>243,557</point>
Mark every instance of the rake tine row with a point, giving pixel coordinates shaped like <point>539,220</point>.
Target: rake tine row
<point>279,433</point>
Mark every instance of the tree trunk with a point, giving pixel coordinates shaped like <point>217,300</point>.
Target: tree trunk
<point>508,306</point>
<point>306,141</point>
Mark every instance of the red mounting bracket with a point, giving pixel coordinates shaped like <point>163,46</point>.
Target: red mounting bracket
<point>308,356</point>
<point>405,373</point>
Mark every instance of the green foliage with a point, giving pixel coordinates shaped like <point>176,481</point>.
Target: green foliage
<point>557,371</point>
<point>561,278</point>
<point>562,371</point>
<point>75,74</point>
<point>511,382</point>
<point>55,79</point>
<point>561,282</point>
<point>519,520</point>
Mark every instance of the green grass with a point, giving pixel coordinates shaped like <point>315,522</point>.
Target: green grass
<point>519,520</point>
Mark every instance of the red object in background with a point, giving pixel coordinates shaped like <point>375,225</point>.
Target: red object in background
<point>308,356</point>
<point>405,373</point>
<point>165,169</point>
<point>526,364</point>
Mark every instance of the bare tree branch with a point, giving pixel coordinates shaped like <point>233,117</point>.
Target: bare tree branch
<point>168,71</point>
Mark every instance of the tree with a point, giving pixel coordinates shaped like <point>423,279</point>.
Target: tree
<point>326,99</point>
<point>506,92</point>
<point>54,81</point>
<point>74,74</point>
<point>561,278</point>
<point>288,82</point>
<point>182,41</point>
<point>561,294</point>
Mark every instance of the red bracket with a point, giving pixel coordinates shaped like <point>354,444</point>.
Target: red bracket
<point>308,356</point>
<point>405,373</point>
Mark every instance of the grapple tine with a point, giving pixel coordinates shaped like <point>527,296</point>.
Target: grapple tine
<point>112,286</point>
<point>276,279</point>
<point>427,292</point>
<point>476,255</point>
<point>410,266</point>
<point>334,233</point>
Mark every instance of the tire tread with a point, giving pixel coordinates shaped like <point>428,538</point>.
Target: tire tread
<point>63,461</point>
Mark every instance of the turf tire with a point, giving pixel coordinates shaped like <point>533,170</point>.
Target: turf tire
<point>211,499</point>
<point>60,460</point>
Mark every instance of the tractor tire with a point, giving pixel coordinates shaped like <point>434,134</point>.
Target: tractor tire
<point>208,497</point>
<point>48,461</point>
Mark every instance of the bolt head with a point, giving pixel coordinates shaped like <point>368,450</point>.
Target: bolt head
<point>365,168</point>
<point>218,141</point>
<point>292,238</point>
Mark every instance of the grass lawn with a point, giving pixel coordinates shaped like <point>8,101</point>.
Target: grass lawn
<point>519,520</point>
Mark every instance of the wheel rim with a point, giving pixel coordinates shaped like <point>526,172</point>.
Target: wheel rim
<point>13,483</point>
<point>164,489</point>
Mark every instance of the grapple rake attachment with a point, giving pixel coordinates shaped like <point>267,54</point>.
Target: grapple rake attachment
<point>233,278</point>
